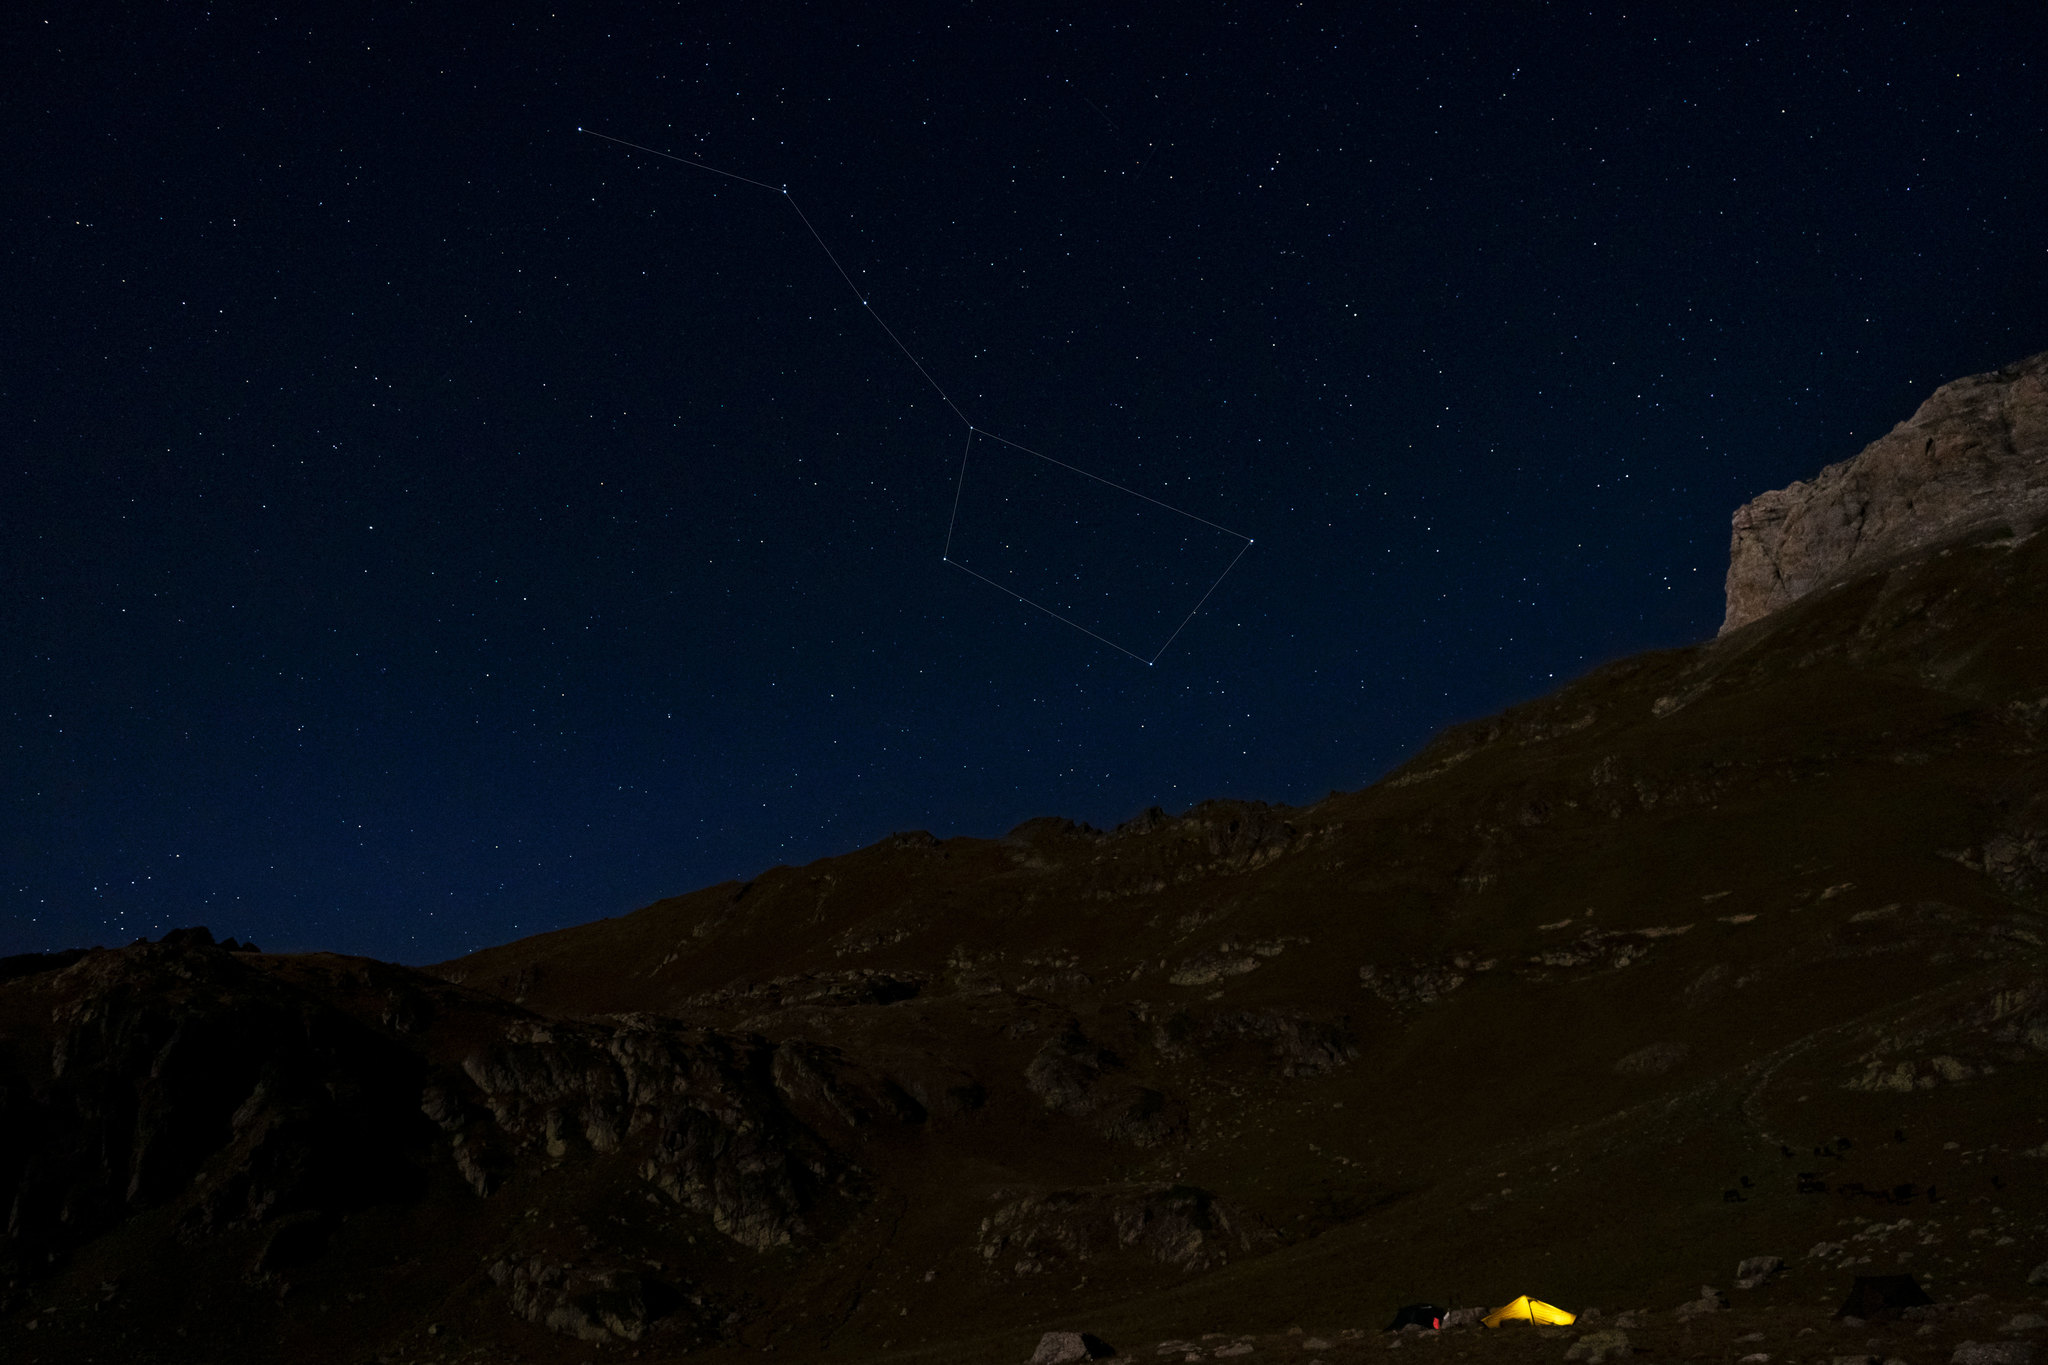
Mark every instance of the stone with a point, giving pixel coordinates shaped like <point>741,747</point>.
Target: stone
<point>2039,1274</point>
<point>1856,1360</point>
<point>1994,1353</point>
<point>1710,1300</point>
<point>2026,1322</point>
<point>1757,1271</point>
<point>1595,1347</point>
<point>1463,1317</point>
<point>1064,1348</point>
<point>1973,458</point>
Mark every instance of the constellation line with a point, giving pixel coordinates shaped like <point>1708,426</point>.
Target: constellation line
<point>1049,612</point>
<point>958,488</point>
<point>1205,598</point>
<point>972,430</point>
<point>1120,488</point>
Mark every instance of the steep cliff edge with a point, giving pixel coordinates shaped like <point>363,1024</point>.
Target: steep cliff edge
<point>1973,458</point>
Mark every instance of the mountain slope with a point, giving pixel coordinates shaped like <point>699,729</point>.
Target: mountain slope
<point>1722,951</point>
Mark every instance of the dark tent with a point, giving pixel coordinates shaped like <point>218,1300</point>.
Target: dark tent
<point>1422,1314</point>
<point>1882,1296</point>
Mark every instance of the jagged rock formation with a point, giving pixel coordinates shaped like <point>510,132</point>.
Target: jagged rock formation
<point>1973,459</point>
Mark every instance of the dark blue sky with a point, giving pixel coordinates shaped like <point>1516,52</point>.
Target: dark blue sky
<point>421,525</point>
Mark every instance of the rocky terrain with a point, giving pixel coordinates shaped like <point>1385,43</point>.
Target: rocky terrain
<point>1678,998</point>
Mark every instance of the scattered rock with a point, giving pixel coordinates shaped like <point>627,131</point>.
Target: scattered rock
<point>1595,1347</point>
<point>2026,1322</point>
<point>2039,1274</point>
<point>1607,949</point>
<point>1994,1353</point>
<point>1064,1348</point>
<point>1206,969</point>
<point>1464,1317</point>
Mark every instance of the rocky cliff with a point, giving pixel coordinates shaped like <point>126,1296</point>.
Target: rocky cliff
<point>1973,459</point>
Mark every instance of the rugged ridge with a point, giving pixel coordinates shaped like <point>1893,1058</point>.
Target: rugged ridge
<point>1973,459</point>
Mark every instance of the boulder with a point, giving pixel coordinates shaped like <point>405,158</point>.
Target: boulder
<point>1757,1271</point>
<point>1063,1348</point>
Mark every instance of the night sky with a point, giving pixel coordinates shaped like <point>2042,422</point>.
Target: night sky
<point>422,524</point>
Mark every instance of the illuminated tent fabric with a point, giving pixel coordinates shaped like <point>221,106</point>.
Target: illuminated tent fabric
<point>1526,1309</point>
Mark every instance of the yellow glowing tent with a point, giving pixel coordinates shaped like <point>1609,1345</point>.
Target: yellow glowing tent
<point>1526,1309</point>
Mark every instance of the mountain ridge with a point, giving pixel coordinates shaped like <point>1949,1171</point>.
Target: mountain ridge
<point>1715,952</point>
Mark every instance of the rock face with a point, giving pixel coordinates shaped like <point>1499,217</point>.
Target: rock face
<point>1974,457</point>
<point>173,1074</point>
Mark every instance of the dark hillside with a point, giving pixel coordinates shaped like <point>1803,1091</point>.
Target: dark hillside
<point>1731,951</point>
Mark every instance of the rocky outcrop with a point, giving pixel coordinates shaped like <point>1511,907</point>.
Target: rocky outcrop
<point>1972,459</point>
<point>1295,1044</point>
<point>708,1108</point>
<point>177,1075</point>
<point>1073,1076</point>
<point>1180,1226</point>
